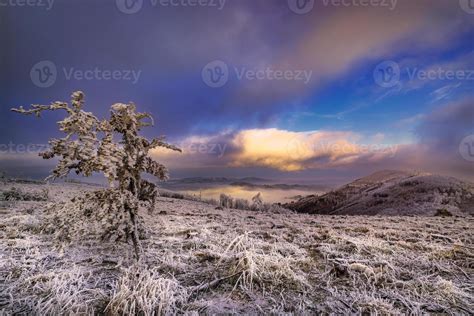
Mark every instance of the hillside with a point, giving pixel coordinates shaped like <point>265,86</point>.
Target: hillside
<point>200,260</point>
<point>393,193</point>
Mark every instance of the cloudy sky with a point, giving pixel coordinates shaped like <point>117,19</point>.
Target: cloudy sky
<point>315,90</point>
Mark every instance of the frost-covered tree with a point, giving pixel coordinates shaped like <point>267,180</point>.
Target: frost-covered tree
<point>257,202</point>
<point>89,146</point>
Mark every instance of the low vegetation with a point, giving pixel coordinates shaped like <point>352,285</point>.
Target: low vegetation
<point>228,202</point>
<point>199,259</point>
<point>16,194</point>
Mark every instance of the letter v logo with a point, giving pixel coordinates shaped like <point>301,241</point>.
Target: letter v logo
<point>467,6</point>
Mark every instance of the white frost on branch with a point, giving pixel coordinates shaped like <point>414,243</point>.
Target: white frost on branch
<point>89,146</point>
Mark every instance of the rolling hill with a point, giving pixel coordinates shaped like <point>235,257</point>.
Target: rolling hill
<point>391,192</point>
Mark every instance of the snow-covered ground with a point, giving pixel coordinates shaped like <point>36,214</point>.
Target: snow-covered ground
<point>198,259</point>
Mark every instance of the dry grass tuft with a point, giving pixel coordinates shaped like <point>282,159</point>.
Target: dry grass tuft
<point>141,291</point>
<point>69,292</point>
<point>270,267</point>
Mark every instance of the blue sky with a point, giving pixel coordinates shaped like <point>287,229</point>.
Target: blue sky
<point>328,118</point>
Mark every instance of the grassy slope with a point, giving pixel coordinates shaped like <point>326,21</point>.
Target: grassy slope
<point>201,259</point>
<point>393,193</point>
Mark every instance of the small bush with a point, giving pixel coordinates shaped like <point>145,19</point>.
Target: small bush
<point>226,201</point>
<point>241,204</point>
<point>15,194</point>
<point>257,203</point>
<point>442,212</point>
<point>173,195</point>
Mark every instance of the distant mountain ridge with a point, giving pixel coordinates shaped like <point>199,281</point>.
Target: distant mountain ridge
<point>279,186</point>
<point>194,180</point>
<point>391,192</point>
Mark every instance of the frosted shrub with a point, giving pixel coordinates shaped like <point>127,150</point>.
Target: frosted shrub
<point>89,147</point>
<point>16,194</point>
<point>226,201</point>
<point>257,203</point>
<point>241,204</point>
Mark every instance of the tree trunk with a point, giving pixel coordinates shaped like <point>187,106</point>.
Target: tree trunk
<point>133,217</point>
<point>135,237</point>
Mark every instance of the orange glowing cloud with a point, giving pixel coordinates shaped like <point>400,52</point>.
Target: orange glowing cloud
<point>277,149</point>
<point>294,151</point>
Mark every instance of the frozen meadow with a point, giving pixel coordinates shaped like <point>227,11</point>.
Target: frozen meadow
<point>201,260</point>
